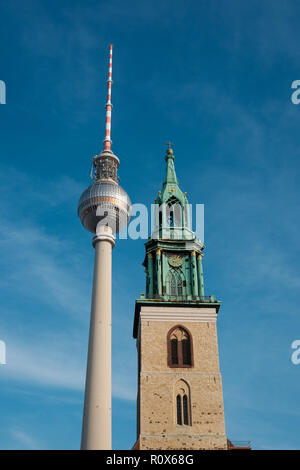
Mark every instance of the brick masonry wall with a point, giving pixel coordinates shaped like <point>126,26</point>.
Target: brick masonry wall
<point>158,388</point>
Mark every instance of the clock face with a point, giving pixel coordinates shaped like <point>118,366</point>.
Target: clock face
<point>175,261</point>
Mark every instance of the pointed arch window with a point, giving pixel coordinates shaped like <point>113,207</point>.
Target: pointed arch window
<point>185,410</point>
<point>179,409</point>
<point>186,350</point>
<point>171,217</point>
<point>160,217</point>
<point>174,212</point>
<point>174,351</point>
<point>175,284</point>
<point>182,403</point>
<point>180,347</point>
<point>179,285</point>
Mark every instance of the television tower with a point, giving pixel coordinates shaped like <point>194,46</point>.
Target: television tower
<point>104,209</point>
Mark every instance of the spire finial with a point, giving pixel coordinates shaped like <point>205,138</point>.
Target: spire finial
<point>108,106</point>
<point>169,152</point>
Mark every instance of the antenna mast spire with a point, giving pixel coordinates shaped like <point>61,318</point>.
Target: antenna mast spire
<point>107,141</point>
<point>105,165</point>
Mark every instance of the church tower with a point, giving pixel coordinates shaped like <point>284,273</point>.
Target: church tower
<point>180,397</point>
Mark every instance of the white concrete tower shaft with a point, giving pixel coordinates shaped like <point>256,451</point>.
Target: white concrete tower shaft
<point>96,428</point>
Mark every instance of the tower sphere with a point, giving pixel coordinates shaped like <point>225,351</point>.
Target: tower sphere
<point>105,202</point>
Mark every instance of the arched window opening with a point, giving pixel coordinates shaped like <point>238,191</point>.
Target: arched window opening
<point>175,283</point>
<point>174,350</point>
<point>160,217</point>
<point>179,348</point>
<point>186,351</point>
<point>172,285</point>
<point>174,212</point>
<point>171,217</point>
<point>179,285</point>
<point>185,410</point>
<point>182,403</point>
<point>179,410</point>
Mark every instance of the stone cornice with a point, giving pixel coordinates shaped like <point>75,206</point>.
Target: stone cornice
<point>166,311</point>
<point>178,314</point>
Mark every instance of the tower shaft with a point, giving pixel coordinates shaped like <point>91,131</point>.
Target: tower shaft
<point>96,428</point>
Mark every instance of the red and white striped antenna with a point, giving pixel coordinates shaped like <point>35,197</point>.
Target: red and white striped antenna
<point>107,141</point>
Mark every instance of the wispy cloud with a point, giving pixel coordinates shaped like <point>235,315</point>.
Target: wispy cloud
<point>44,270</point>
<point>57,361</point>
<point>124,384</point>
<point>24,189</point>
<point>35,263</point>
<point>42,267</point>
<point>25,440</point>
<point>49,361</point>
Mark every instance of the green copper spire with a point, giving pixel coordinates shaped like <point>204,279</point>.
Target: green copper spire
<point>172,219</point>
<point>171,177</point>
<point>170,188</point>
<point>173,261</point>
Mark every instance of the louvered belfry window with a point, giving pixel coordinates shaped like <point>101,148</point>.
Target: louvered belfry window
<point>179,285</point>
<point>175,284</point>
<point>179,348</point>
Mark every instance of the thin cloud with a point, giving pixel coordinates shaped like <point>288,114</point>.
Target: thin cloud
<point>44,270</point>
<point>40,266</point>
<point>51,360</point>
<point>58,362</point>
<point>25,440</point>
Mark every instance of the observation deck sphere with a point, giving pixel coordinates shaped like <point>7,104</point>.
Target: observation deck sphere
<point>105,202</point>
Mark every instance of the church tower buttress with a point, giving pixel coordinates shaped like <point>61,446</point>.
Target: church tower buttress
<point>180,396</point>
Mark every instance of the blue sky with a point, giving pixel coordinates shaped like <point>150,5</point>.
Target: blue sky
<point>215,78</point>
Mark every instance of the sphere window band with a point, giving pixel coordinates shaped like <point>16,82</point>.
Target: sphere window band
<point>107,202</point>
